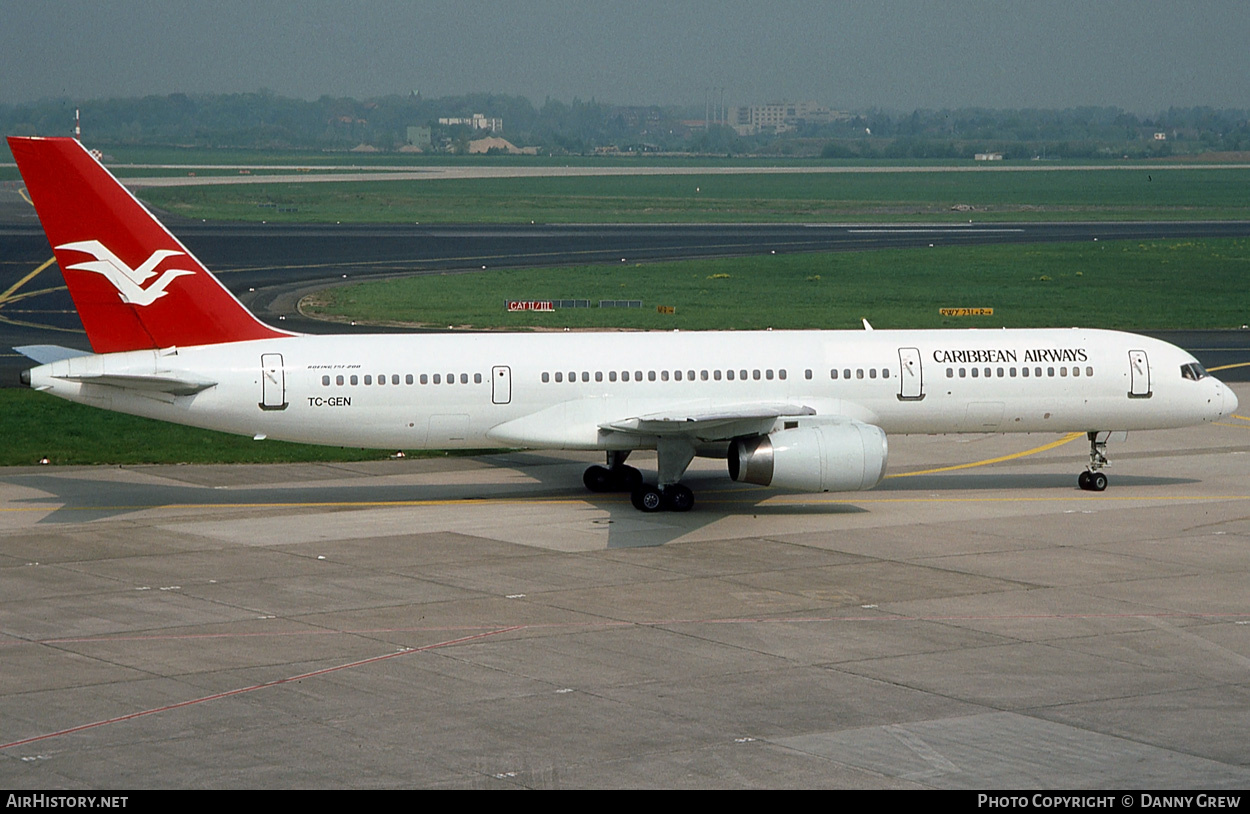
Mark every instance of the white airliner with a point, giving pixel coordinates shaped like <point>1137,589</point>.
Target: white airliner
<point>800,410</point>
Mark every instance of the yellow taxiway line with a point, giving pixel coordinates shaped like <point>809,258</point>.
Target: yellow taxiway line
<point>1072,436</point>
<point>8,294</point>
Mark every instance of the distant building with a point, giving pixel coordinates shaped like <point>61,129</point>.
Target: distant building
<point>988,156</point>
<point>1161,136</point>
<point>779,117</point>
<point>418,137</point>
<point>477,121</point>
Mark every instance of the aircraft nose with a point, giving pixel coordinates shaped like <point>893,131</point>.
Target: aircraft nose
<point>1229,398</point>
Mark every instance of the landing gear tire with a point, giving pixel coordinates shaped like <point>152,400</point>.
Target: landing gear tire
<point>647,498</point>
<point>598,479</point>
<point>626,478</point>
<point>1092,481</point>
<point>678,498</point>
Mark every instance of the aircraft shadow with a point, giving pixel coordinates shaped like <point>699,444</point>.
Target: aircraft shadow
<point>79,499</point>
<point>1032,481</point>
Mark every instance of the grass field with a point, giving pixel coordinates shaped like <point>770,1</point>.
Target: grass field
<point>1090,194</point>
<point>1129,285</point>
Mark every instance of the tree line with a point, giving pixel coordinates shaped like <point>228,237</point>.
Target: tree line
<point>265,120</point>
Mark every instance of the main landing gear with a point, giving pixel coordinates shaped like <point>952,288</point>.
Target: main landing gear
<point>1093,479</point>
<point>673,456</point>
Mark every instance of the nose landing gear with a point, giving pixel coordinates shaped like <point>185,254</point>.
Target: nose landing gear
<point>1093,479</point>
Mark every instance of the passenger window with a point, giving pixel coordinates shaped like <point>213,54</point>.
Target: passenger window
<point>689,375</point>
<point>742,374</point>
<point>859,373</point>
<point>464,378</point>
<point>425,379</point>
<point>1076,371</point>
<point>663,376</point>
<point>833,374</point>
<point>598,375</point>
<point>755,374</point>
<point>438,379</point>
<point>408,379</point>
<point>477,378</point>
<point>963,373</point>
<point>1012,371</point>
<point>368,379</point>
<point>975,372</point>
<point>703,375</point>
<point>950,372</point>
<point>585,375</point>
<point>1063,372</point>
<point>1050,371</point>
<point>650,375</point>
<point>394,378</point>
<point>1089,371</point>
<point>872,373</point>
<point>1000,373</point>
<point>325,381</point>
<point>677,375</point>
<point>611,375</point>
<point>1037,371</point>
<point>729,374</point>
<point>885,373</point>
<point>338,380</point>
<point>716,375</point>
<point>846,373</point>
<point>624,375</point>
<point>637,375</point>
<point>988,373</point>
<point>559,377</point>
<point>781,374</point>
<point>1024,371</point>
<point>807,374</point>
<point>354,379</point>
<point>382,379</point>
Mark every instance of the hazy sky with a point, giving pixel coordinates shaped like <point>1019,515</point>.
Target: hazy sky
<point>1141,55</point>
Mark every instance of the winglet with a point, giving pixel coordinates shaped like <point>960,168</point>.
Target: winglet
<point>135,285</point>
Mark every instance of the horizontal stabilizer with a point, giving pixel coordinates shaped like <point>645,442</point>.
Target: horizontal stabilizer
<point>180,385</point>
<point>46,354</point>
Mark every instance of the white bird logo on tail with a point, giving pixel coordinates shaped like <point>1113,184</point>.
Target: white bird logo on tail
<point>127,281</point>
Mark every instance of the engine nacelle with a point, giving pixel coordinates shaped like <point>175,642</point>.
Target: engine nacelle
<point>845,457</point>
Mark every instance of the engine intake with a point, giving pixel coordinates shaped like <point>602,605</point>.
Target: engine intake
<point>846,457</point>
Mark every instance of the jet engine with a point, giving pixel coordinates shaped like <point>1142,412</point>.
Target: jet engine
<point>843,457</point>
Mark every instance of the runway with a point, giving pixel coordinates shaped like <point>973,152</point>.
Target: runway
<point>270,267</point>
<point>483,622</point>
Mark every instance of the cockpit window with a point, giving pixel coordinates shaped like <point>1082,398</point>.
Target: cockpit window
<point>1193,371</point>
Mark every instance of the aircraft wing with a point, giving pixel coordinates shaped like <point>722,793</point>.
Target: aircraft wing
<point>708,424</point>
<point>581,424</point>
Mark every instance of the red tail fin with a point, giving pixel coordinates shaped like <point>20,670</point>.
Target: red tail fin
<point>135,285</point>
